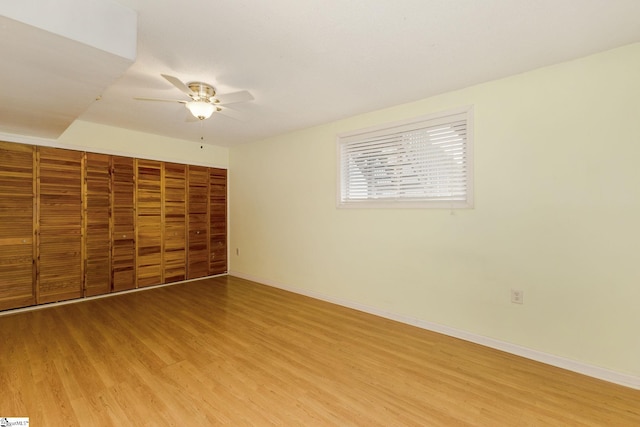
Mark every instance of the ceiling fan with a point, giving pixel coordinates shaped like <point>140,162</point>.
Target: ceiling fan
<point>204,100</point>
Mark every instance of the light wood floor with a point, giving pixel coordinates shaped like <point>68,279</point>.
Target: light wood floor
<point>229,351</point>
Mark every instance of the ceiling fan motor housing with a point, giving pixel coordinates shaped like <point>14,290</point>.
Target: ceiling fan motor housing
<point>201,91</point>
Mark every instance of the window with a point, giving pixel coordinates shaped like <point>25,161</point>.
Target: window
<point>422,162</point>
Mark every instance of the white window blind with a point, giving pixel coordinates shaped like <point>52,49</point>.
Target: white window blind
<point>424,162</point>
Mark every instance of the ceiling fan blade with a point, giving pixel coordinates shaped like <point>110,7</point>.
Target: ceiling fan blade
<point>232,98</point>
<point>178,83</point>
<point>231,113</point>
<point>161,100</point>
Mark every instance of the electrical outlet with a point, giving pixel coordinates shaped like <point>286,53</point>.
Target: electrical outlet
<point>517,296</point>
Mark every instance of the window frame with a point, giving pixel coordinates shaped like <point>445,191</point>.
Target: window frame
<point>390,128</point>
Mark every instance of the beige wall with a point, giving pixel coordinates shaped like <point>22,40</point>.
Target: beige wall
<point>111,140</point>
<point>557,214</point>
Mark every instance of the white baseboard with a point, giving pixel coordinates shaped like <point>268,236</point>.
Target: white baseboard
<point>539,356</point>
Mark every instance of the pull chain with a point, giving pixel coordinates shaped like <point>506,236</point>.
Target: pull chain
<point>201,133</point>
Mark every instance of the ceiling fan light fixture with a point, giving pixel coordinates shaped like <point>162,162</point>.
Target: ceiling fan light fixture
<point>201,109</point>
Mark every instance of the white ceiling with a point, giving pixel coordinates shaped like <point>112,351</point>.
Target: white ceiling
<point>309,62</point>
<point>52,69</point>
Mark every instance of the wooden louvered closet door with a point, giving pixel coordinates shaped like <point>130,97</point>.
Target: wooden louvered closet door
<point>198,207</point>
<point>97,199</point>
<point>218,221</point>
<point>59,220</point>
<point>123,256</point>
<point>175,227</point>
<point>149,228</point>
<point>17,243</point>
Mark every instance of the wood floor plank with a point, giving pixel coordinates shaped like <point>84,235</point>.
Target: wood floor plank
<point>227,351</point>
